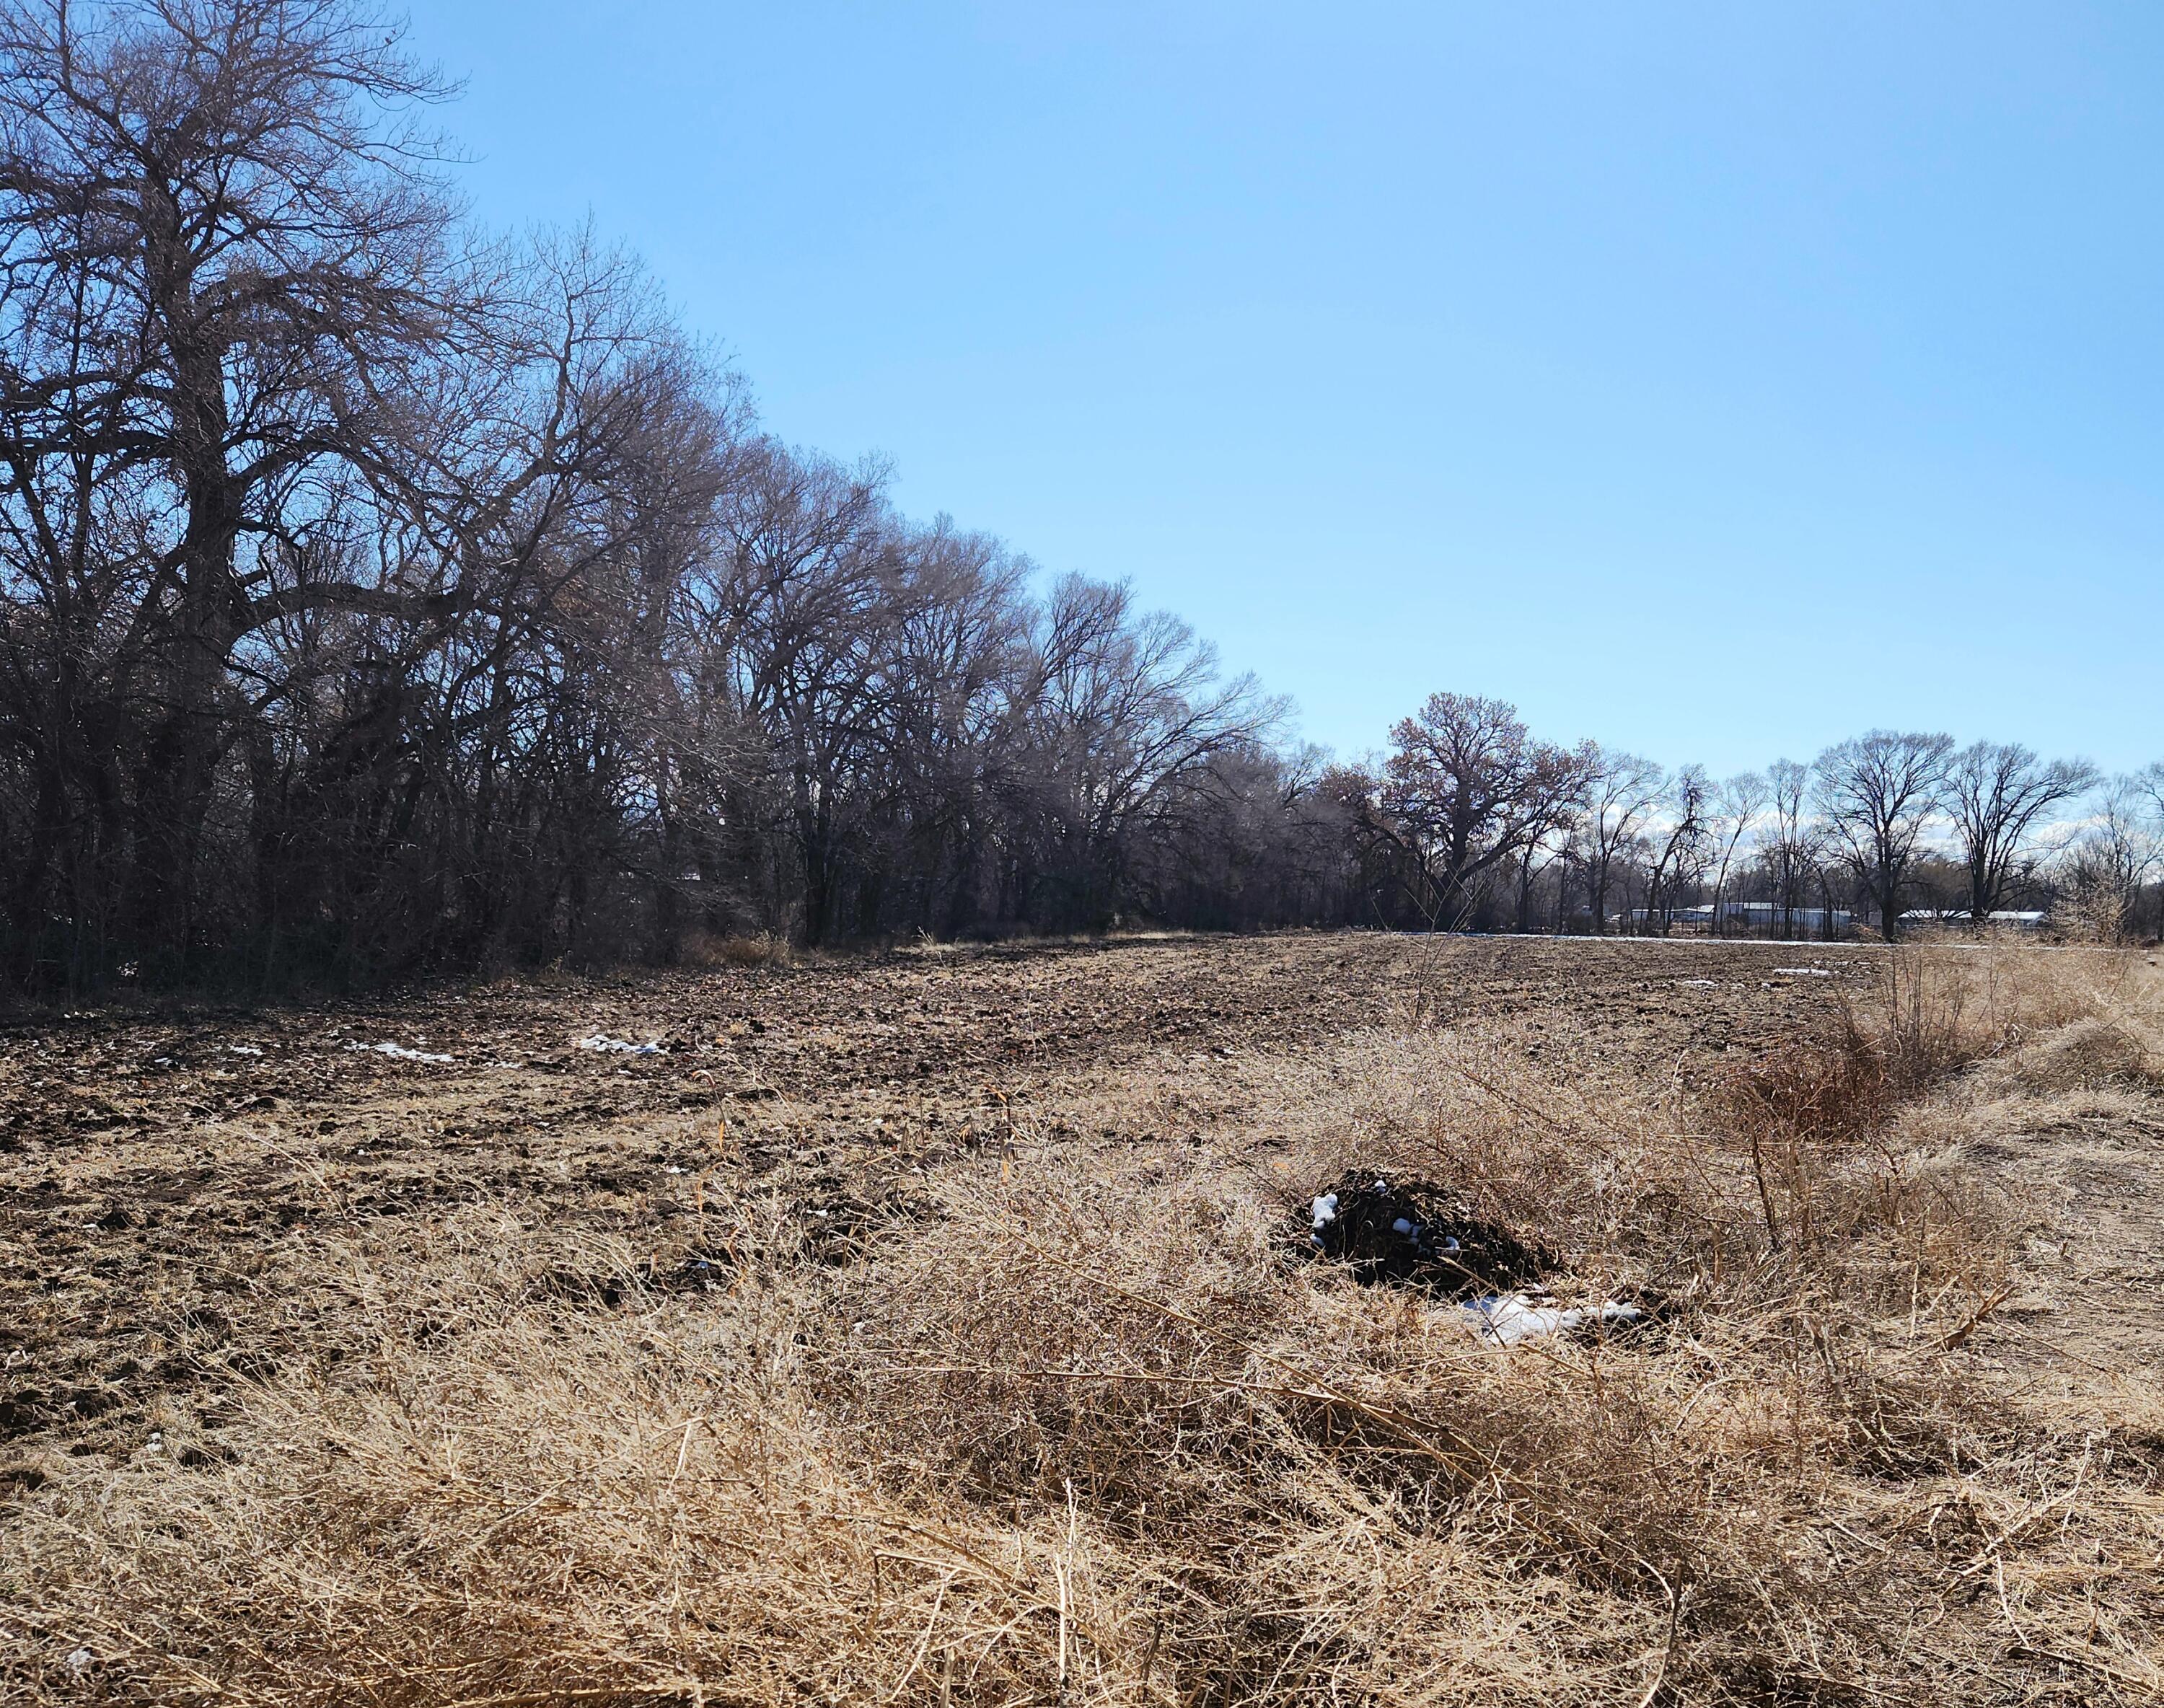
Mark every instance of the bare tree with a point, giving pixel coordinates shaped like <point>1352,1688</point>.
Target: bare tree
<point>1547,826</point>
<point>2150,780</point>
<point>1126,714</point>
<point>378,598</point>
<point>951,719</point>
<point>1738,802</point>
<point>2112,859</point>
<point>796,605</point>
<point>1681,854</point>
<point>1878,793</point>
<point>1795,848</point>
<point>1997,795</point>
<point>1469,784</point>
<point>227,260</point>
<point>1620,792</point>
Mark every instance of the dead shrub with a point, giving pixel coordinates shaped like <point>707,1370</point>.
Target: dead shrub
<point>762,948</point>
<point>1059,1335</point>
<point>1171,1372</point>
<point>1927,1025</point>
<point>765,950</point>
<point>1944,1007</point>
<point>1800,1112</point>
<point>551,1504</point>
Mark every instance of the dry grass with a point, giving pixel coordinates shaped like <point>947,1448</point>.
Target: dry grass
<point>765,949</point>
<point>1082,1426</point>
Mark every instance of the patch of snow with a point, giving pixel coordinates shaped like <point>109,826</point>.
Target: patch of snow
<point>619,1046</point>
<point>1507,1319</point>
<point>1806,972</point>
<point>400,1051</point>
<point>1326,1210</point>
<point>242,1050</point>
<point>1709,984</point>
<point>80,1660</point>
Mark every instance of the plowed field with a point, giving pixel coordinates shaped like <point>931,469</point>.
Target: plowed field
<point>158,1170</point>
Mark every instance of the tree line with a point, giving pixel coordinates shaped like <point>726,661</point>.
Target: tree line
<point>1471,822</point>
<point>378,596</point>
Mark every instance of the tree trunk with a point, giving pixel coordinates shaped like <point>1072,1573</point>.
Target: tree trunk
<point>175,788</point>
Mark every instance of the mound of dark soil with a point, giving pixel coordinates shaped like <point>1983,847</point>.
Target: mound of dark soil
<point>1414,1233</point>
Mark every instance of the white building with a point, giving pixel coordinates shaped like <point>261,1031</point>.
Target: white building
<point>1752,916</point>
<point>1949,918</point>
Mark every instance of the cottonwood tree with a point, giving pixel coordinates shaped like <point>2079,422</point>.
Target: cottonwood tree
<point>227,262</point>
<point>2149,783</point>
<point>522,760</point>
<point>1997,794</point>
<point>1388,867</point>
<point>950,724</point>
<point>794,604</point>
<point>1471,787</point>
<point>374,598</point>
<point>338,552</point>
<point>1548,825</point>
<point>1259,840</point>
<point>1794,851</point>
<point>1878,793</point>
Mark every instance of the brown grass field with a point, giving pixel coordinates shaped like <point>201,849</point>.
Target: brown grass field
<point>940,1327</point>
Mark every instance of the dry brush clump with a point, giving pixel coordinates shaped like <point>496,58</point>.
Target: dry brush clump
<point>760,949</point>
<point>1942,1009</point>
<point>1087,1425</point>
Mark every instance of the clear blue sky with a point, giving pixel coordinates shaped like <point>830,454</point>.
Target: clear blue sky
<point>1716,380</point>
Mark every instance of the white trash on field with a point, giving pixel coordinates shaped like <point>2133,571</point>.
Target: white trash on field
<point>401,1051</point>
<point>620,1045</point>
<point>1506,1319</point>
